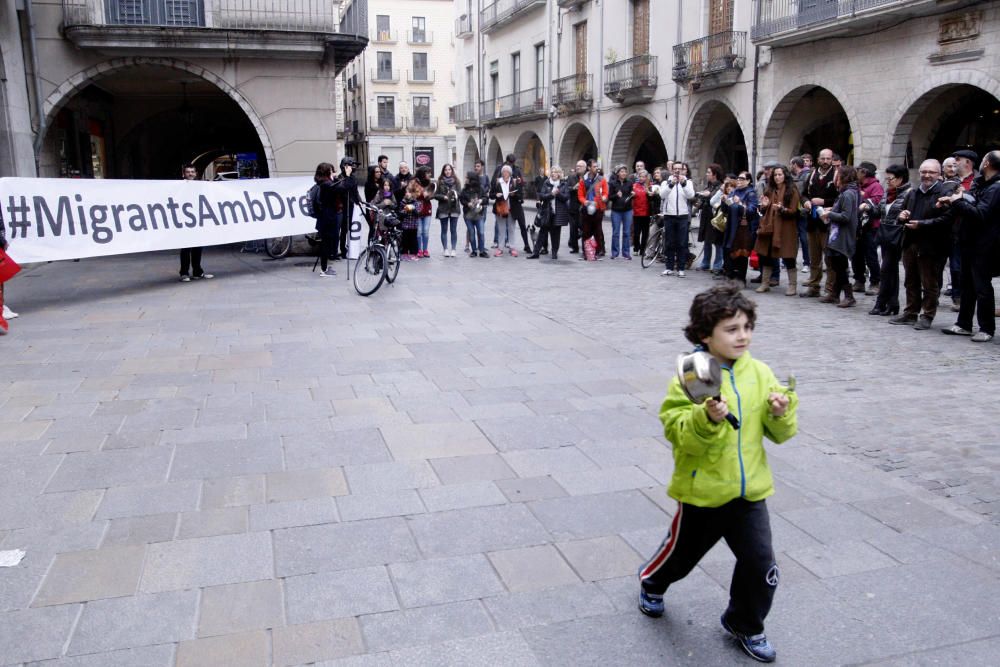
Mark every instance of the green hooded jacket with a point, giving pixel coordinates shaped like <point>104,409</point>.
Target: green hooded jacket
<point>715,463</point>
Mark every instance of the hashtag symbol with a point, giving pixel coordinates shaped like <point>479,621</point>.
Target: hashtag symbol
<point>22,224</point>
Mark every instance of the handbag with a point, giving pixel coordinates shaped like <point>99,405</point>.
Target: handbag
<point>8,267</point>
<point>719,220</point>
<point>502,208</point>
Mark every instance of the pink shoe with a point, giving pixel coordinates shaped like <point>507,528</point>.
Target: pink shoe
<point>513,253</point>
<point>498,253</point>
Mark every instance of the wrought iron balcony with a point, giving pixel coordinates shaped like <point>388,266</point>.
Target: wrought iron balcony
<point>463,26</point>
<point>631,81</point>
<point>384,36</point>
<point>385,75</point>
<point>422,124</point>
<point>419,37</point>
<point>525,105</point>
<point>463,115</point>
<point>502,12</point>
<point>710,62</point>
<point>574,93</point>
<point>787,22</point>
<point>418,77</point>
<point>261,28</point>
<point>569,4</point>
<point>384,124</point>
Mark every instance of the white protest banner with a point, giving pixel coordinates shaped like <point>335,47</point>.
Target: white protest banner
<point>354,234</point>
<point>59,218</point>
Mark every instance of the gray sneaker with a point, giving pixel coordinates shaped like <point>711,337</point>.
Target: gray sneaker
<point>981,337</point>
<point>923,323</point>
<point>955,330</point>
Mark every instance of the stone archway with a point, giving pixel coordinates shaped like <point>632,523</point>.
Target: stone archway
<point>577,143</point>
<point>469,156</point>
<point>494,155</point>
<point>637,138</point>
<point>532,158</point>
<point>59,97</point>
<point>808,118</point>
<point>936,107</point>
<point>715,135</point>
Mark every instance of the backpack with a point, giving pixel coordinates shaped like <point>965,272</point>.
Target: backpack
<point>313,205</point>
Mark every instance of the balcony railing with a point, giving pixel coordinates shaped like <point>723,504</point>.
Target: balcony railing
<point>419,37</point>
<point>385,75</point>
<point>384,36</point>
<point>631,81</point>
<point>420,76</point>
<point>521,106</point>
<point>573,93</point>
<point>463,115</point>
<point>422,124</point>
<point>296,26</point>
<point>795,21</point>
<point>463,26</point>
<point>567,4</point>
<point>384,124</point>
<point>710,62</point>
<point>502,12</point>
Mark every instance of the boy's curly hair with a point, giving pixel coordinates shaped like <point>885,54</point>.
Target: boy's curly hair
<point>717,304</point>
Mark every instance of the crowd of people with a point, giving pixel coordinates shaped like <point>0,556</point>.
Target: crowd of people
<point>850,231</point>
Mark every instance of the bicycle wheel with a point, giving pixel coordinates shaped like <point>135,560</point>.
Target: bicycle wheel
<point>652,248</point>
<point>391,261</point>
<point>369,270</point>
<point>278,247</point>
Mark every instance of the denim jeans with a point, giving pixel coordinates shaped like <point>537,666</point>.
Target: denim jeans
<point>423,232</point>
<point>446,224</point>
<point>477,234</point>
<point>506,226</point>
<point>675,241</point>
<point>621,233</point>
<point>804,240</point>
<point>708,251</point>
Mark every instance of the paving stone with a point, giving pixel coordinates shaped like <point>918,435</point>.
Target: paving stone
<point>537,462</point>
<point>140,530</point>
<point>341,448</point>
<point>99,470</point>
<point>142,620</point>
<point>379,505</point>
<point>634,451</point>
<point>429,441</point>
<point>905,514</point>
<point>79,576</point>
<point>232,491</point>
<point>242,650</point>
<point>435,581</point>
<point>237,608</point>
<point>227,459</point>
<point>830,524</point>
<point>550,605</point>
<point>425,625</point>
<point>477,530</point>
<point>205,434</point>
<point>504,648</point>
<point>530,488</point>
<point>596,515</point>
<point>532,568</point>
<point>207,561</point>
<point>305,484</point>
<point>342,546</point>
<point>477,468</point>
<point>603,481</point>
<point>385,477</point>
<point>845,557</point>
<point>145,656</point>
<point>328,595</point>
<point>313,642</point>
<point>143,499</point>
<point>48,628</point>
<point>539,432</point>
<point>208,523</point>
<point>459,496</point>
<point>601,557</point>
<point>292,513</point>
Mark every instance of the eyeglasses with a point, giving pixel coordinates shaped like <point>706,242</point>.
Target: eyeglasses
<point>741,177</point>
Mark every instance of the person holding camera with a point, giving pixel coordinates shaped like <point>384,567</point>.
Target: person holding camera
<point>676,194</point>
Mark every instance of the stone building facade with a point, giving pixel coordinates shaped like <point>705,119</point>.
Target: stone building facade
<point>739,83</point>
<point>398,93</point>
<point>134,89</point>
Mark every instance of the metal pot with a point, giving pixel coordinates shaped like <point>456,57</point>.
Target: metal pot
<point>700,377</point>
<point>591,208</point>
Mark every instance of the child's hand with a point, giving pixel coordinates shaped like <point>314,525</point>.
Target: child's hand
<point>716,409</point>
<point>779,403</point>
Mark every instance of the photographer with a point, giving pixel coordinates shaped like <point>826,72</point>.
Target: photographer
<point>676,192</point>
<point>345,188</point>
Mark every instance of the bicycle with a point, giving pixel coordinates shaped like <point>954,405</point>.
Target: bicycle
<point>654,246</point>
<point>279,246</point>
<point>379,261</point>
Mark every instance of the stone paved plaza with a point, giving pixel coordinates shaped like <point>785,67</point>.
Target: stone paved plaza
<point>464,469</point>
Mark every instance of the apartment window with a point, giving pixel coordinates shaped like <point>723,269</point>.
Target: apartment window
<point>384,59</point>
<point>386,111</point>
<point>540,66</point>
<point>515,72</point>
<point>720,16</point>
<point>580,47</point>
<point>382,27</point>
<point>495,79</point>
<point>640,27</point>
<point>419,66</point>
<point>419,29</point>
<point>470,84</point>
<point>422,111</point>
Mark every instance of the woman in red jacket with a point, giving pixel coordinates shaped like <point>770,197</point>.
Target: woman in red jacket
<point>640,211</point>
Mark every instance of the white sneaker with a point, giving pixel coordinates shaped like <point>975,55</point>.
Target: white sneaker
<point>8,314</point>
<point>185,279</point>
<point>328,273</point>
<point>668,272</point>
<point>204,276</point>
<point>680,274</point>
<point>805,269</point>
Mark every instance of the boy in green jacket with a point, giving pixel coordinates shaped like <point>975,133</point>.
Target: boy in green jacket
<point>721,476</point>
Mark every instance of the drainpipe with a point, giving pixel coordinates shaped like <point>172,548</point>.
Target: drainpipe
<point>548,92</point>
<point>481,57</point>
<point>677,88</point>
<point>37,80</point>
<point>753,131</point>
<point>600,82</point>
